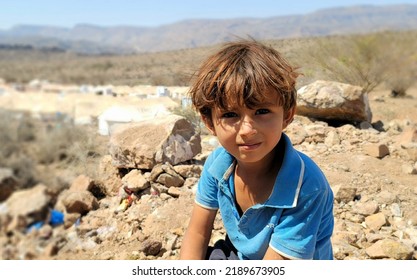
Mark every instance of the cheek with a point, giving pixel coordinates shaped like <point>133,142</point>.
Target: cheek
<point>225,127</point>
<point>223,135</point>
<point>271,124</point>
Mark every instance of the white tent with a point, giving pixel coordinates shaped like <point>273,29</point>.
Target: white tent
<point>126,114</point>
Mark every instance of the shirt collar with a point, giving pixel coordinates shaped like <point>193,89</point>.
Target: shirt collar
<point>222,166</point>
<point>289,180</point>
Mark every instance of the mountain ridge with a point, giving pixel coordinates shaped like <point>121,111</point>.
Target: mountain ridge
<point>189,33</point>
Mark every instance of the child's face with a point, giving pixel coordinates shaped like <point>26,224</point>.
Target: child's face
<point>250,134</point>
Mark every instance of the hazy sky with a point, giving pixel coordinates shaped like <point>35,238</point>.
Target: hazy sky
<point>67,13</point>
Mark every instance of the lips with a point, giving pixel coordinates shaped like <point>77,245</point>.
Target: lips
<point>249,146</point>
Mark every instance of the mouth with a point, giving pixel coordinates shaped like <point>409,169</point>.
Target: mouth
<point>249,146</point>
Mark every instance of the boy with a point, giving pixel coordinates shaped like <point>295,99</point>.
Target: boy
<point>274,201</point>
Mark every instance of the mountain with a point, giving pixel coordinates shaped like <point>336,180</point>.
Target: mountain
<point>91,39</point>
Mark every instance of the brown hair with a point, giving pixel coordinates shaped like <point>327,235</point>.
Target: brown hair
<point>243,72</point>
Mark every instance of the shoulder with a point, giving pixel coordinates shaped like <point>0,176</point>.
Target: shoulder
<point>216,155</point>
<point>218,162</point>
<point>312,169</point>
<point>313,178</point>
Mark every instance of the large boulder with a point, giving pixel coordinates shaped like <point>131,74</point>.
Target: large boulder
<point>334,101</point>
<point>142,145</point>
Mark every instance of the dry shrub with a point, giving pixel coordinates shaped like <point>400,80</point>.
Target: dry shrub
<point>8,136</point>
<point>23,170</point>
<point>12,152</point>
<point>365,60</point>
<point>402,55</point>
<point>40,152</point>
<point>69,145</point>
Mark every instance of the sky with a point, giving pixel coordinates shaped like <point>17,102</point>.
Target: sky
<point>67,13</point>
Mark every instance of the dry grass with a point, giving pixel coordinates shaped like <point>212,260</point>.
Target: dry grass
<point>365,60</point>
<point>168,68</point>
<point>28,146</point>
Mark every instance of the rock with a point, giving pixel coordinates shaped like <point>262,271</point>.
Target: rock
<point>388,248</point>
<point>396,210</point>
<point>173,191</point>
<point>188,170</point>
<point>31,205</point>
<point>151,247</point>
<point>79,202</point>
<point>345,194</point>
<point>375,221</point>
<point>296,130</point>
<point>365,125</point>
<point>170,180</point>
<point>82,183</point>
<point>376,150</point>
<point>315,133</point>
<point>157,170</point>
<point>142,145</point>
<point>366,208</point>
<point>70,219</point>
<point>325,100</point>
<point>85,183</point>
<point>109,175</point>
<point>374,237</point>
<point>135,181</point>
<point>332,139</point>
<point>386,197</point>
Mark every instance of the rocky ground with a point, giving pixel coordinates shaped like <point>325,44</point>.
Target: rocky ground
<point>372,171</point>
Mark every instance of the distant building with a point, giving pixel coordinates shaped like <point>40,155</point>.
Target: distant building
<point>127,114</point>
<point>186,102</point>
<point>162,91</point>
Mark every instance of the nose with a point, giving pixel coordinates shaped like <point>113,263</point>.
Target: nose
<point>247,127</point>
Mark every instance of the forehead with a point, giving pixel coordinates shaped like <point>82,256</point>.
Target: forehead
<point>265,97</point>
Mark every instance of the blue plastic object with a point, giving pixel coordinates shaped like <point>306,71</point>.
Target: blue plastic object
<point>56,218</point>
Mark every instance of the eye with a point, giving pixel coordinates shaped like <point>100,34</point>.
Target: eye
<point>228,115</point>
<point>262,111</point>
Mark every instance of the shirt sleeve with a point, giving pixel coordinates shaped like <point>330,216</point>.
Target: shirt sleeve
<point>207,189</point>
<point>296,234</point>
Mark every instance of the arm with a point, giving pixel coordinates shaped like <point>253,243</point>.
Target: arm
<point>197,236</point>
<point>272,255</point>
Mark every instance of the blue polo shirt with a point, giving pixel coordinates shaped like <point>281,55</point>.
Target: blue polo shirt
<point>296,220</point>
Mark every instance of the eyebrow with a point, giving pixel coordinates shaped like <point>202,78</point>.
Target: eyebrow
<point>237,107</point>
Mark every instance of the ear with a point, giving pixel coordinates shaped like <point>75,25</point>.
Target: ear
<point>289,116</point>
<point>208,122</point>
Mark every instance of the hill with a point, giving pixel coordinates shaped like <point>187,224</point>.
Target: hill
<point>91,39</point>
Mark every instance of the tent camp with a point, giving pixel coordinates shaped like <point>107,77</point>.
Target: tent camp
<point>126,114</point>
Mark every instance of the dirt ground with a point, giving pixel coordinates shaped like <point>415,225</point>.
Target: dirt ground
<point>342,167</point>
<point>350,167</point>
<point>385,109</point>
